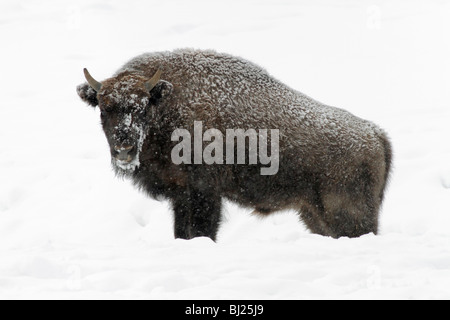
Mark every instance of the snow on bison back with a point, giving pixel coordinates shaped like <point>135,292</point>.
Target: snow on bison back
<point>192,127</point>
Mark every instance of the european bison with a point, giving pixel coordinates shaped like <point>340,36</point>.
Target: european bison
<point>327,164</point>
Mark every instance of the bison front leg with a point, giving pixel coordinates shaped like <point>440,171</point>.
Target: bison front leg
<point>197,214</point>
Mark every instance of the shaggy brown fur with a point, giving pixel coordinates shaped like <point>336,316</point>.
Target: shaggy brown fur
<point>333,165</point>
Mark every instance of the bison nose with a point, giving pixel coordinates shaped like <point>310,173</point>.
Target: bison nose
<point>123,153</point>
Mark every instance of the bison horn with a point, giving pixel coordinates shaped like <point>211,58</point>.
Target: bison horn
<point>150,84</point>
<point>92,82</point>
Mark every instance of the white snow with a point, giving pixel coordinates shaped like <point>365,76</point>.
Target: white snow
<point>70,229</point>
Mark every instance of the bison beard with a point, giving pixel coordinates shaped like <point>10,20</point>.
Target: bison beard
<point>333,166</point>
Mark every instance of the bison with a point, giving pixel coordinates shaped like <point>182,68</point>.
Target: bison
<point>332,166</point>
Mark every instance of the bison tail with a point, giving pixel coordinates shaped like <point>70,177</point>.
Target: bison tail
<point>388,160</point>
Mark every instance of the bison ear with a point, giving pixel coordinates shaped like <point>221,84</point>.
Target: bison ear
<point>162,90</point>
<point>87,94</point>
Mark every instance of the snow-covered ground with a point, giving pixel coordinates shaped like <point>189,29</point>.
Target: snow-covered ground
<point>70,229</point>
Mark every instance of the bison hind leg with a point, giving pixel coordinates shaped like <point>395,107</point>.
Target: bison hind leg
<point>312,217</point>
<point>350,224</point>
<point>351,215</point>
<point>339,215</point>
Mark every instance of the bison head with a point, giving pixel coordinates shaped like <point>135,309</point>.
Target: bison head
<point>125,103</point>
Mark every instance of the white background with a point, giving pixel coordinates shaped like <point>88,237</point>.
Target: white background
<point>70,229</point>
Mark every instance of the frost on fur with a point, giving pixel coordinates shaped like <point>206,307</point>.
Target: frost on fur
<point>333,166</point>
